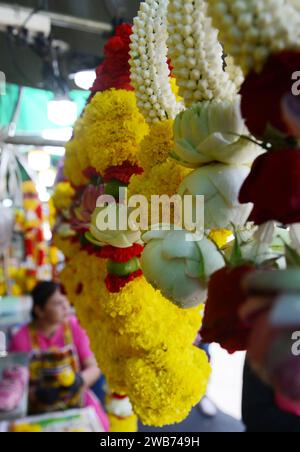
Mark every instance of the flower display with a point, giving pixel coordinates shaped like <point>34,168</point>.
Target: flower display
<point>278,202</point>
<point>213,132</point>
<point>220,185</point>
<point>163,376</point>
<point>179,264</point>
<point>165,117</point>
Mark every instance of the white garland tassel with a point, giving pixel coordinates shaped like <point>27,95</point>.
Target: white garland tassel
<point>149,63</point>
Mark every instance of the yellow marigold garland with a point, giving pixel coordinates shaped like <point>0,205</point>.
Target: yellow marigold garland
<point>72,168</point>
<point>142,342</point>
<point>109,131</point>
<point>66,246</point>
<point>63,195</point>
<point>161,179</point>
<point>162,372</point>
<point>156,147</point>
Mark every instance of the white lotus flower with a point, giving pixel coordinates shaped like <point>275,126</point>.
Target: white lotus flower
<point>220,185</point>
<point>120,233</point>
<point>179,263</point>
<point>210,132</point>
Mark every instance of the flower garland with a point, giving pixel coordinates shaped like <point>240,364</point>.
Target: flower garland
<point>197,55</point>
<point>143,343</point>
<point>203,135</point>
<point>114,72</point>
<point>149,63</point>
<point>63,195</point>
<point>157,145</point>
<point>122,129</point>
<point>251,29</point>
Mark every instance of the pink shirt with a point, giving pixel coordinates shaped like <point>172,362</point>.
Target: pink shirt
<point>21,342</point>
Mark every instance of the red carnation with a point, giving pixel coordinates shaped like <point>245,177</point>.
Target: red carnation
<point>116,283</point>
<point>221,323</point>
<point>122,173</point>
<point>265,95</point>
<point>273,186</point>
<point>114,72</point>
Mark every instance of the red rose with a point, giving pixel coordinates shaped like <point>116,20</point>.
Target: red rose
<point>273,186</point>
<point>221,323</point>
<point>264,94</point>
<point>114,72</point>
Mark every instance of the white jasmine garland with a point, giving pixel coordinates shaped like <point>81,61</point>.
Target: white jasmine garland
<point>251,30</point>
<point>149,63</point>
<point>197,54</point>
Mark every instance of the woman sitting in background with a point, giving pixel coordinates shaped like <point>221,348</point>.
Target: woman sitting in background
<point>62,368</point>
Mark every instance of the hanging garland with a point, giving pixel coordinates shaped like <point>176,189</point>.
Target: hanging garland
<point>143,343</point>
<point>251,29</point>
<point>149,63</point>
<point>197,55</point>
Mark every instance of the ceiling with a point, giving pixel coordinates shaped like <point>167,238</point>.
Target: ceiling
<point>22,65</point>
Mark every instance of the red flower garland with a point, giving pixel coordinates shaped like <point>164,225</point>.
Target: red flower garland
<point>122,255</point>
<point>90,173</point>
<point>115,283</point>
<point>114,72</point>
<point>119,255</point>
<point>122,173</point>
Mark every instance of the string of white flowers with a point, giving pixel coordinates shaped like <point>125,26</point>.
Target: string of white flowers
<point>197,55</point>
<point>149,63</point>
<point>253,29</point>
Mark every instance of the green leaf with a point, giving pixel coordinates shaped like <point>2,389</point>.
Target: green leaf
<point>292,257</point>
<point>236,258</point>
<point>202,273</point>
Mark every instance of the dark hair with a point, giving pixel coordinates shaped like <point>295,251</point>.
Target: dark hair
<point>41,294</point>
